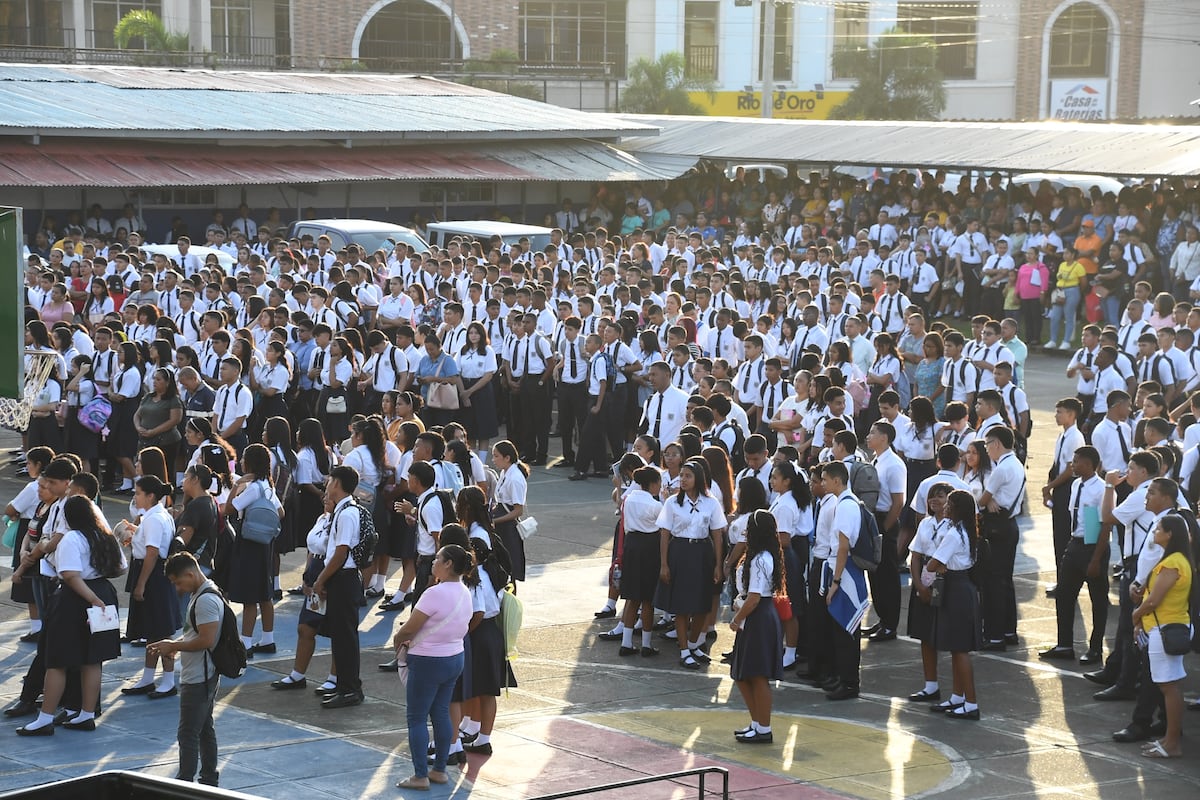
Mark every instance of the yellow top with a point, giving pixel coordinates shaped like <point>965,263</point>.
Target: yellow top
<point>1174,607</point>
<point>1069,273</point>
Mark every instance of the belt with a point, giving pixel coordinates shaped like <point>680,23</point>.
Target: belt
<point>921,460</point>
<point>649,533</point>
<point>688,540</point>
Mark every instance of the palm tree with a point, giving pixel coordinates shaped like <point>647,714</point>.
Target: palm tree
<point>662,87</point>
<point>160,44</point>
<point>897,78</point>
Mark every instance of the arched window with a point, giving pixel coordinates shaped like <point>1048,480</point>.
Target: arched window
<point>1079,43</point>
<point>409,34</point>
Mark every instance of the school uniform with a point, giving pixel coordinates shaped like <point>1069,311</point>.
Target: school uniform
<point>1006,483</point>
<point>512,490</point>
<point>1073,566</point>
<point>664,414</point>
<point>920,614</point>
<point>592,454</point>
<point>956,627</point>
<point>758,645</point>
<point>797,524</point>
<point>885,579</point>
<point>250,576</point>
<point>122,437</point>
<point>66,641</point>
<point>530,357</point>
<point>156,615</point>
<point>690,554</point>
<point>572,393</point>
<point>343,592</point>
<point>640,554</point>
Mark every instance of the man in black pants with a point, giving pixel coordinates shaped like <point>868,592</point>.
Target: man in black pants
<point>1058,488</point>
<point>1004,491</point>
<point>893,484</point>
<point>533,361</point>
<point>572,387</point>
<point>592,445</point>
<point>339,583</point>
<point>840,532</point>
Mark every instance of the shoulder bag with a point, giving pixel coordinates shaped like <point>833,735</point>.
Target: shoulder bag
<point>1176,637</point>
<point>442,396</point>
<point>402,650</point>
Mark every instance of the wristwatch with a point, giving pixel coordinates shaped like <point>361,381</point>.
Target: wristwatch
<point>837,581</point>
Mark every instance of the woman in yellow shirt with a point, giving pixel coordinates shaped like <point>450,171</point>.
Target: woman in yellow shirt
<point>1166,602</point>
<point>1071,281</point>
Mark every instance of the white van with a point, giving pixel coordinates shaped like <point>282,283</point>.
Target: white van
<point>440,233</point>
<point>367,233</point>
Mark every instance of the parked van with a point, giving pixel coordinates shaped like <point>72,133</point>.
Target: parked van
<point>367,233</point>
<point>440,233</point>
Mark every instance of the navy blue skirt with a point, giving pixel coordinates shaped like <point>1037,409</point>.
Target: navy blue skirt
<point>758,646</point>
<point>156,615</point>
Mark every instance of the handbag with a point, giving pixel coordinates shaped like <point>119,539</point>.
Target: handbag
<point>336,404</point>
<point>1058,297</point>
<point>402,650</point>
<point>783,607</point>
<point>1176,637</point>
<point>527,527</point>
<point>442,396</point>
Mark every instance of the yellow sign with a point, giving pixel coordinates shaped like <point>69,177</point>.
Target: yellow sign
<point>787,105</point>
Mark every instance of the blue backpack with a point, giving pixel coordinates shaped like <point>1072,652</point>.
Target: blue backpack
<point>260,520</point>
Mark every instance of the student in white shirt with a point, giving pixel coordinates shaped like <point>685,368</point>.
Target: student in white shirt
<point>640,559</point>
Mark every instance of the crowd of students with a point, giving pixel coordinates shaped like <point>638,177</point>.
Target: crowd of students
<point>794,386</point>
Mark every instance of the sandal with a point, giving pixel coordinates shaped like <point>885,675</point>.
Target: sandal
<point>1156,750</point>
<point>412,783</point>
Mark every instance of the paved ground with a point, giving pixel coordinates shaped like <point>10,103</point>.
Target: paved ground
<point>582,716</point>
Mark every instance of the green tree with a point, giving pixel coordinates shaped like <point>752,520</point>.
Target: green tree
<point>662,86</point>
<point>897,78</point>
<point>162,46</point>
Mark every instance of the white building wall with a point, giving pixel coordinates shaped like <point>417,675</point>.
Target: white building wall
<point>1170,59</point>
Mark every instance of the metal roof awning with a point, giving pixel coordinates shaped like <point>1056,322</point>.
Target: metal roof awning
<point>1104,149</point>
<point>125,165</point>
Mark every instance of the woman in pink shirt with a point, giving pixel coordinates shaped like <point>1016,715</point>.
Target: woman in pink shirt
<point>434,635</point>
<point>58,308</point>
<point>1033,282</point>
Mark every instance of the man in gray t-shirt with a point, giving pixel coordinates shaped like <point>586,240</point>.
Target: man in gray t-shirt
<point>198,676</point>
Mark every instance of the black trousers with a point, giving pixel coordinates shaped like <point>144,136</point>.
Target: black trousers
<point>534,405</point>
<point>1060,518</point>
<point>341,626</point>
<point>1123,663</point>
<point>615,412</point>
<point>592,454</point>
<point>885,579</point>
<point>1149,696</point>
<point>999,595</point>
<point>572,413</point>
<point>819,627</point>
<point>1072,575</point>
<point>423,577</point>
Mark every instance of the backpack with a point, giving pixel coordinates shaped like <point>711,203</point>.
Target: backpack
<point>228,654</point>
<point>450,474</point>
<point>260,520</point>
<point>447,501</point>
<point>610,368</point>
<point>868,548</point>
<point>368,537</point>
<point>864,483</point>
<point>495,561</point>
<point>859,393</point>
<point>737,456</point>
<point>94,416</point>
<point>285,487</point>
<point>512,614</point>
<point>904,388</point>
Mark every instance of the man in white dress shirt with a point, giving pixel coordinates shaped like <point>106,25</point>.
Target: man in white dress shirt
<point>665,411</point>
<point>233,405</point>
<point>1004,492</point>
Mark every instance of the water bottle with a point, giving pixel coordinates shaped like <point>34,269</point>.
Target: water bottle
<point>616,576</point>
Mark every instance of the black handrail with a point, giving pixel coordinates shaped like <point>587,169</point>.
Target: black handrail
<point>669,776</point>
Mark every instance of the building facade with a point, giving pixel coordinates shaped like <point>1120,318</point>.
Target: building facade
<point>1002,59</point>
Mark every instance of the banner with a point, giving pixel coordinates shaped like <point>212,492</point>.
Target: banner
<point>12,311</point>
<point>787,105</point>
<point>1079,100</point>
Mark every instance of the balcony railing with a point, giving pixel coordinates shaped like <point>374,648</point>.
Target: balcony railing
<point>36,44</point>
<point>702,62</point>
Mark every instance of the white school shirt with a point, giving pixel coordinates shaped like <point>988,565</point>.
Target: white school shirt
<point>1006,483</point>
<point>693,519</point>
<point>473,365</point>
<point>232,402</point>
<point>640,511</point>
<point>156,529</point>
<point>513,488</point>
<point>273,377</point>
<point>665,413</point>
<point>954,548</point>
<point>345,531</point>
<point>1083,494</point>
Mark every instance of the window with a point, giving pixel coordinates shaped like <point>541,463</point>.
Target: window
<point>952,27</point>
<point>231,27</point>
<point>107,13</point>
<point>30,23</point>
<point>457,193</point>
<point>188,196</point>
<point>700,39</point>
<point>586,33</point>
<point>410,34</point>
<point>783,41</point>
<point>849,27</point>
<point>1079,43</point>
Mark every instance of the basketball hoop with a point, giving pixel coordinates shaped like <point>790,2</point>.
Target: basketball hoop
<point>14,414</point>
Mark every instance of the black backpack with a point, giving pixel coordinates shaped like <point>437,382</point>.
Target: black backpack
<point>867,550</point>
<point>368,537</point>
<point>737,456</point>
<point>228,654</point>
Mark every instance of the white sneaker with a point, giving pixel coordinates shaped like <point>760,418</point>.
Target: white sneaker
<point>1050,345</point>
<point>1066,346</point>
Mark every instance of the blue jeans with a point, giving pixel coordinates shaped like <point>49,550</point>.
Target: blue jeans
<point>1065,315</point>
<point>197,737</point>
<point>431,682</point>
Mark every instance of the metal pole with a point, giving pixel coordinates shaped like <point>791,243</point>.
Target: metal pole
<point>768,58</point>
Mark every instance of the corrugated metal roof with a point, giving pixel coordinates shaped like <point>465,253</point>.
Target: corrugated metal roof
<point>167,103</point>
<point>1124,150</point>
<point>123,164</point>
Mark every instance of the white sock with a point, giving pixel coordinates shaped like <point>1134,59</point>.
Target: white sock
<point>35,626</point>
<point>969,706</point>
<point>472,726</point>
<point>693,645</point>
<point>761,728</point>
<point>483,738</point>
<point>610,605</point>
<point>685,653</point>
<point>627,638</point>
<point>43,719</point>
<point>931,687</point>
<point>83,716</point>
<point>71,712</point>
<point>166,683</point>
<point>789,655</point>
<point>647,638</point>
<point>296,677</point>
<point>456,747</point>
<point>275,582</point>
<point>127,483</point>
<point>380,582</point>
<point>619,628</point>
<point>268,637</point>
<point>464,724</point>
<point>147,678</point>
<point>331,679</point>
<point>247,642</point>
<point>955,699</point>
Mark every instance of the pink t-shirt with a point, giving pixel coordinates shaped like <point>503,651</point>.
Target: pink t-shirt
<point>448,606</point>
